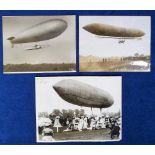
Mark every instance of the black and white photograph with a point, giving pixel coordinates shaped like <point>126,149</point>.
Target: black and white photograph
<point>115,43</point>
<point>39,43</point>
<point>81,108</point>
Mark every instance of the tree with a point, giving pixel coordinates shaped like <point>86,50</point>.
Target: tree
<point>64,113</point>
<point>77,112</point>
<point>43,114</point>
<point>82,112</point>
<point>136,54</point>
<point>56,112</point>
<point>71,113</point>
<point>67,113</point>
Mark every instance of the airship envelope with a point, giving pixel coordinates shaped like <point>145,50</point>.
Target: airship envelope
<point>40,32</point>
<point>82,94</point>
<point>112,31</point>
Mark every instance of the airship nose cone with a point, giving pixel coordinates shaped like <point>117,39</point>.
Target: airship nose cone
<point>85,28</point>
<point>111,102</point>
<point>56,88</point>
<point>142,33</point>
<point>62,23</point>
<point>65,23</point>
<point>89,28</point>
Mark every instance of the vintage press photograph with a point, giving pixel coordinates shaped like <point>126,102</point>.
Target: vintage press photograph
<point>78,108</point>
<point>39,43</point>
<point>115,43</point>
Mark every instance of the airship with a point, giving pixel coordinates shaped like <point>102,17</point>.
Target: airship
<point>79,93</point>
<point>43,31</point>
<point>110,31</point>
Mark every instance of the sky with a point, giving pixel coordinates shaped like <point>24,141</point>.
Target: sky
<point>61,49</point>
<point>47,99</point>
<point>107,47</point>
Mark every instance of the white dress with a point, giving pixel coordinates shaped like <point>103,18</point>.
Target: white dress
<point>103,122</point>
<point>57,122</point>
<point>85,123</point>
<point>80,126</point>
<point>92,124</point>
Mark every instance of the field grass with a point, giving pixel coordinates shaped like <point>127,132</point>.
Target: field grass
<point>39,67</point>
<point>110,66</point>
<point>91,135</point>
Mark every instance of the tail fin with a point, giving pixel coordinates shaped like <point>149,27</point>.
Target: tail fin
<point>10,39</point>
<point>12,45</point>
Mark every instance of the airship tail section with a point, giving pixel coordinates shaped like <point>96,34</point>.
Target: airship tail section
<point>11,39</point>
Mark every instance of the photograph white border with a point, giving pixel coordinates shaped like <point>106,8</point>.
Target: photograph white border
<point>76,141</point>
<point>31,72</point>
<point>150,41</point>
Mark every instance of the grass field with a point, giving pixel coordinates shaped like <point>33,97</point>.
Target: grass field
<point>91,135</point>
<point>110,66</point>
<point>39,67</point>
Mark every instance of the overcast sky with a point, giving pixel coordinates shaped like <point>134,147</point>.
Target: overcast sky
<point>106,47</point>
<point>58,50</point>
<point>47,99</point>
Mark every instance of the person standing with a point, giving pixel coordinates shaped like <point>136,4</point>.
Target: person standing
<point>57,123</point>
<point>81,123</point>
<point>103,122</point>
<point>92,123</point>
<point>85,122</point>
<point>115,131</point>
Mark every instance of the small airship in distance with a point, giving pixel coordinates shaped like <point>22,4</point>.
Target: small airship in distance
<point>43,31</point>
<point>79,93</point>
<point>110,31</point>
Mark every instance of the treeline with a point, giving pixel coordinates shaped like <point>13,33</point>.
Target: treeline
<point>72,113</point>
<point>63,113</point>
<point>39,67</point>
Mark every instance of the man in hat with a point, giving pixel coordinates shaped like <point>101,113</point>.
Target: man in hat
<point>115,131</point>
<point>47,134</point>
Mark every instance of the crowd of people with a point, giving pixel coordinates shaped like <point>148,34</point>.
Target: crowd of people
<point>81,123</point>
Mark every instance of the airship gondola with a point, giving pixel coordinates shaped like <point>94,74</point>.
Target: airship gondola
<point>82,94</point>
<point>40,32</point>
<point>35,47</point>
